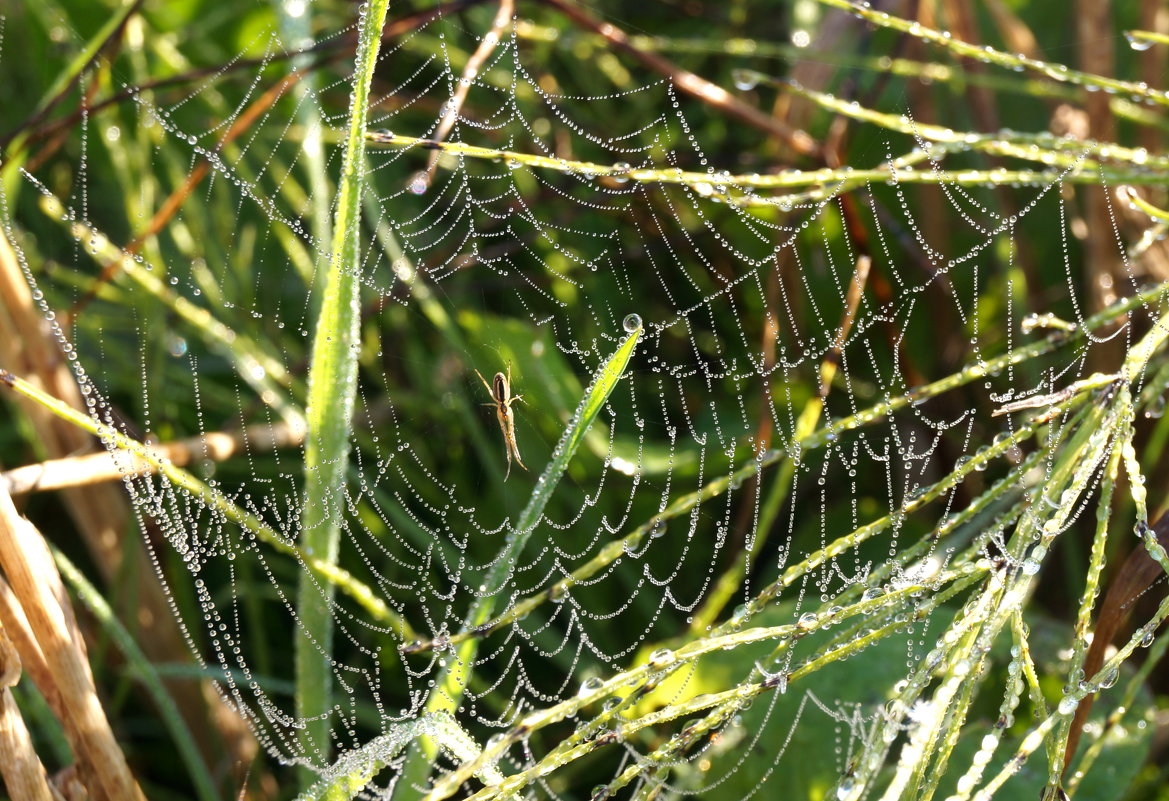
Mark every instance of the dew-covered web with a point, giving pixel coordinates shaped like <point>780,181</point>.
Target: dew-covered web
<point>739,443</point>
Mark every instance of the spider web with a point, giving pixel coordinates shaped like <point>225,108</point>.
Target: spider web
<point>490,262</point>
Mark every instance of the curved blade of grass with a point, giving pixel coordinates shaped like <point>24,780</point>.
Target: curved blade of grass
<point>204,784</point>
<point>331,394</point>
<point>448,690</point>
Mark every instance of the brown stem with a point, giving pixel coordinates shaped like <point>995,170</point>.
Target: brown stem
<point>1092,19</point>
<point>24,775</point>
<point>1136,575</point>
<point>691,84</point>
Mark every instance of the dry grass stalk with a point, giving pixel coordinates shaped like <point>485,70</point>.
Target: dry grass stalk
<point>24,775</point>
<point>19,633</point>
<point>32,574</point>
<point>94,468</point>
<point>72,781</point>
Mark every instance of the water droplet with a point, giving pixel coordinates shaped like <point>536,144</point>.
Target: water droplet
<point>419,184</point>
<point>1137,42</point>
<point>1109,679</point>
<point>589,686</point>
<point>661,657</point>
<point>631,323</point>
<point>745,80</point>
<point>1156,407</point>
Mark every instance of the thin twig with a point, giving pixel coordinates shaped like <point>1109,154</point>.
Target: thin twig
<point>503,17</point>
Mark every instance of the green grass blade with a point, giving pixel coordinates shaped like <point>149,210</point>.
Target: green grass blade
<point>595,396</point>
<point>332,390</point>
<point>296,20</point>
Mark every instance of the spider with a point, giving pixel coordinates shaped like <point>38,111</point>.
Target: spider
<point>502,399</point>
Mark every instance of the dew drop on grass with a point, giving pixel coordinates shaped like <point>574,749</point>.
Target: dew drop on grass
<point>745,80</point>
<point>590,686</point>
<point>1137,42</point>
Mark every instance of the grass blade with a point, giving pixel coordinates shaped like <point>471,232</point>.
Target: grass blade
<point>332,390</point>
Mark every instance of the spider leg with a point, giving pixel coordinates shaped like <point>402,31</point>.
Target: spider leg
<point>484,380</point>
<point>515,450</point>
